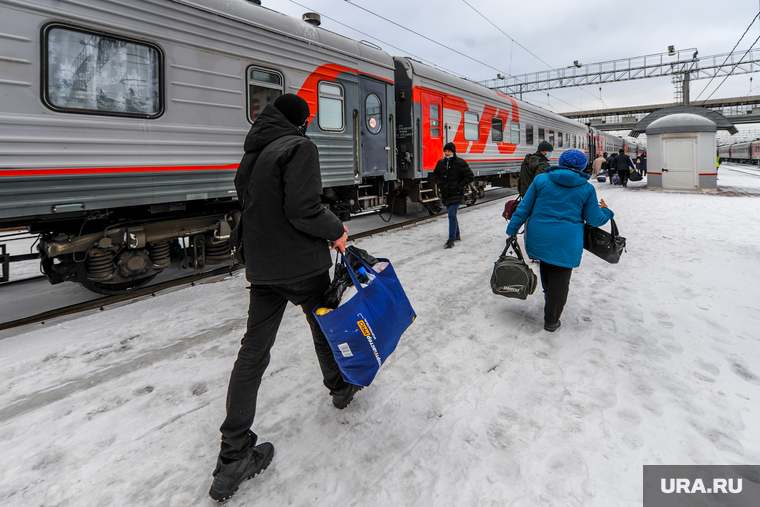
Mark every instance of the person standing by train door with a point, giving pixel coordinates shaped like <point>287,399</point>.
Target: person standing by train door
<point>452,175</point>
<point>285,237</point>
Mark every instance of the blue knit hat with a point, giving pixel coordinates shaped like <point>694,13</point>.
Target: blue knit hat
<point>574,159</point>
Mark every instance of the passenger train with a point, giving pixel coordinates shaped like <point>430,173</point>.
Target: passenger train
<point>747,152</point>
<point>122,124</point>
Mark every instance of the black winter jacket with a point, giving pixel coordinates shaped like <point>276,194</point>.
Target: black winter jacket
<point>452,175</point>
<point>621,163</point>
<point>538,165</point>
<point>285,226</point>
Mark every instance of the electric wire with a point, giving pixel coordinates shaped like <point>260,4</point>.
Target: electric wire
<point>732,70</point>
<point>727,57</point>
<point>526,49</point>
<point>443,45</point>
<point>372,37</point>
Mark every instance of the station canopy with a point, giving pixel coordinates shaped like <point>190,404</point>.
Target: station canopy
<point>683,121</point>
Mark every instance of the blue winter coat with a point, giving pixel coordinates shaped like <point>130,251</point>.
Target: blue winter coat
<point>558,203</point>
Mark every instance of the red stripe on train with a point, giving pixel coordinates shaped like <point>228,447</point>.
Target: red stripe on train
<point>114,170</point>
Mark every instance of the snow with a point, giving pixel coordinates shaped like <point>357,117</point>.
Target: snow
<point>656,363</point>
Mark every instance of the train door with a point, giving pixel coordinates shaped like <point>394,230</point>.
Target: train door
<point>432,130</point>
<point>679,157</point>
<point>372,129</point>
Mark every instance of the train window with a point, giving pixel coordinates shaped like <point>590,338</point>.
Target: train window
<point>91,73</point>
<point>264,86</point>
<point>330,106</point>
<point>515,133</point>
<point>559,139</point>
<point>470,126</point>
<point>497,130</point>
<point>551,137</point>
<point>373,111</point>
<point>435,121</point>
<point>528,134</point>
<point>541,135</point>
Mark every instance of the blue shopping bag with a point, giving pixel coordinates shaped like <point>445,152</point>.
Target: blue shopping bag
<point>365,330</point>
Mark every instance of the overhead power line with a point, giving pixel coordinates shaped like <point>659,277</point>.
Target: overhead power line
<point>526,49</point>
<point>372,37</point>
<point>732,70</point>
<point>727,57</point>
<point>443,45</point>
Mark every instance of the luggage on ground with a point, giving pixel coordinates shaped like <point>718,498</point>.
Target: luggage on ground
<point>364,331</point>
<point>601,179</point>
<point>512,277</point>
<point>616,179</point>
<point>635,176</point>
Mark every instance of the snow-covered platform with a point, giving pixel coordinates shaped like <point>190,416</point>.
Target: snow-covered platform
<point>657,362</point>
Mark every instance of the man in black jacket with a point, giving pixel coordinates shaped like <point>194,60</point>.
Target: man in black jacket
<point>536,164</point>
<point>285,239</point>
<point>623,166</point>
<point>452,175</point>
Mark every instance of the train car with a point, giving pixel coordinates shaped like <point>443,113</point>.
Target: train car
<point>724,152</point>
<point>122,125</point>
<point>491,131</point>
<point>740,152</point>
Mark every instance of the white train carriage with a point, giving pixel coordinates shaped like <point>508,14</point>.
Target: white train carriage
<point>491,131</point>
<point>122,124</point>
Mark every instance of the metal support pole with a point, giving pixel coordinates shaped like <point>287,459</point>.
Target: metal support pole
<point>686,78</point>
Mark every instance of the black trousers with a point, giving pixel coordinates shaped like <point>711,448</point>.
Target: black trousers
<point>555,281</point>
<point>624,174</point>
<point>268,303</point>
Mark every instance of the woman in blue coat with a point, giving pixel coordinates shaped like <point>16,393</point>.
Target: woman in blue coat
<point>558,203</point>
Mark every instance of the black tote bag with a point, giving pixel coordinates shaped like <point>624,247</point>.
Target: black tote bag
<point>603,244</point>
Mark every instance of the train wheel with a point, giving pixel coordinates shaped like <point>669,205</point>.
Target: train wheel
<point>114,289</point>
<point>433,207</point>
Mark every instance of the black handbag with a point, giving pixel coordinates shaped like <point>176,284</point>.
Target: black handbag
<point>512,277</point>
<point>635,176</point>
<point>605,245</point>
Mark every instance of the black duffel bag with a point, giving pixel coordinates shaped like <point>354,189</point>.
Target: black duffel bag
<point>512,277</point>
<point>605,245</point>
<point>635,176</point>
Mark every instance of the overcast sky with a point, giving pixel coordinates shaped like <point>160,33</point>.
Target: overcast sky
<point>557,32</point>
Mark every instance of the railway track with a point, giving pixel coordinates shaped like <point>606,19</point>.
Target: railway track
<point>151,290</point>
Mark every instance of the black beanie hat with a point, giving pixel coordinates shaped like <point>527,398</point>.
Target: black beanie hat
<point>545,146</point>
<point>293,107</point>
<point>450,147</point>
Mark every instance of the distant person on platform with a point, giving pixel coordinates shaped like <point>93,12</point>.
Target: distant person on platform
<point>287,235</point>
<point>642,164</point>
<point>537,164</point>
<point>623,165</point>
<point>452,175</point>
<point>558,204</point>
<point>596,168</point>
<point>611,162</point>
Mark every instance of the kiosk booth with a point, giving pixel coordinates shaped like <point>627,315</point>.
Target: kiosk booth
<point>681,148</point>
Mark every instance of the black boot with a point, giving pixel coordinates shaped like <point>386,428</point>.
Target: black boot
<point>229,474</point>
<point>343,397</point>
<point>449,244</point>
<point>551,327</point>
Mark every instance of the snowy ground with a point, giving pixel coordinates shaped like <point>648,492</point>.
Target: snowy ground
<point>656,363</point>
